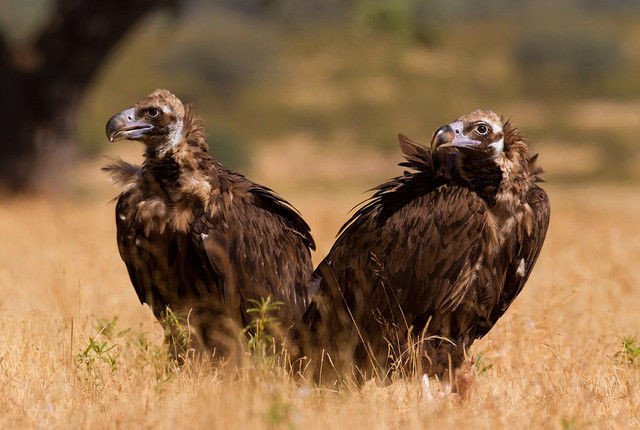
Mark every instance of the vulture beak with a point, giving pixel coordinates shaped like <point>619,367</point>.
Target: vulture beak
<point>123,125</point>
<point>451,135</point>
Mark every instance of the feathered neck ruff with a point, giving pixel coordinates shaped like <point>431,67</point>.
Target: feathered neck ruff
<point>189,155</point>
<point>192,138</point>
<point>185,170</point>
<point>428,169</point>
<point>519,152</point>
<point>194,135</point>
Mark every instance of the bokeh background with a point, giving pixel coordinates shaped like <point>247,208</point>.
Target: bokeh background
<point>307,97</point>
<point>301,81</point>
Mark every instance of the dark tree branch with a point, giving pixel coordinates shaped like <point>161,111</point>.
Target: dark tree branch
<point>77,39</point>
<point>5,53</point>
<point>41,94</point>
<point>12,107</point>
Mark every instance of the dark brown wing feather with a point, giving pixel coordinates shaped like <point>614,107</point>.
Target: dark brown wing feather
<point>410,148</point>
<point>265,198</point>
<point>424,247</point>
<point>390,196</point>
<point>527,249</point>
<point>260,249</point>
<point>130,254</point>
<point>165,269</point>
<point>422,255</point>
<point>414,265</point>
<point>255,247</point>
<point>138,259</point>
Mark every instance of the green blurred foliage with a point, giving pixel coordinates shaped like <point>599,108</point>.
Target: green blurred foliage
<point>19,19</point>
<point>417,21</point>
<point>568,58</point>
<point>223,50</point>
<point>392,16</point>
<point>229,148</point>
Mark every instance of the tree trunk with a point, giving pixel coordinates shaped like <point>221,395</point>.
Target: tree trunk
<point>42,85</point>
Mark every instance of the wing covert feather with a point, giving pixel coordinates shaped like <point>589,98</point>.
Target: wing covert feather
<point>444,230</point>
<point>528,249</point>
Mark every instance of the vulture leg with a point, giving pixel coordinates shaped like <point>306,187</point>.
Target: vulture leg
<point>458,389</point>
<point>464,379</point>
<point>426,390</point>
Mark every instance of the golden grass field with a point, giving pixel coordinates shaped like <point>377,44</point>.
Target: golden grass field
<point>552,357</point>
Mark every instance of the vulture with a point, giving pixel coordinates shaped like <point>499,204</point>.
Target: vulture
<point>433,258</point>
<point>199,239</point>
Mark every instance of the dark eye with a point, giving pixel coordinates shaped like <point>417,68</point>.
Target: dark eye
<point>152,112</point>
<point>482,128</point>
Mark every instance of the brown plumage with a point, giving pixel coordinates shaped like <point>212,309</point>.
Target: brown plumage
<point>431,261</point>
<point>199,238</point>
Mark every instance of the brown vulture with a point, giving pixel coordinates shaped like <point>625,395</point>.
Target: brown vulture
<point>432,260</point>
<point>198,238</point>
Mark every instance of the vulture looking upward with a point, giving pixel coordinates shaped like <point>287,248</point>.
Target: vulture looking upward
<point>198,238</point>
<point>433,259</point>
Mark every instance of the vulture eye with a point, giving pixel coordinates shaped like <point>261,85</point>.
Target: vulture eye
<point>152,112</point>
<point>482,128</point>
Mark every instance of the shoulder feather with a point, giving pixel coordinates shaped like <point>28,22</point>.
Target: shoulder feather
<point>123,174</point>
<point>392,195</point>
<point>265,198</point>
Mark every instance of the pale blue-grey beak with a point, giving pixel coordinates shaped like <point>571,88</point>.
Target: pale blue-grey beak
<point>124,125</point>
<point>451,135</point>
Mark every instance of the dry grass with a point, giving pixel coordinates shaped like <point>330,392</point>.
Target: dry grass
<point>552,355</point>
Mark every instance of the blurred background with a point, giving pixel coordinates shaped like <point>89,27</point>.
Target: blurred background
<point>307,97</point>
<point>314,92</point>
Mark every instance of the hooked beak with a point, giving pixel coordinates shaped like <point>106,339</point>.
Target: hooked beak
<point>123,125</point>
<point>451,135</point>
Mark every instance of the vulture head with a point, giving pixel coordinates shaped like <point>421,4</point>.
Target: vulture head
<point>486,152</point>
<point>157,120</point>
<point>481,130</point>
